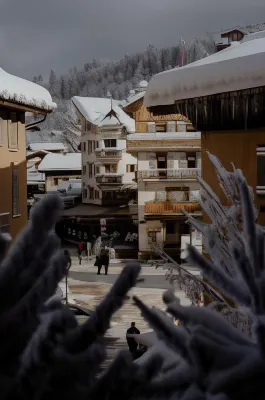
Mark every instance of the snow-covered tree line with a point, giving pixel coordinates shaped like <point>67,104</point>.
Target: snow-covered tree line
<point>117,78</point>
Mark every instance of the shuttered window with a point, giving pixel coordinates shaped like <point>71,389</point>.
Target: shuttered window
<point>13,132</point>
<point>15,191</point>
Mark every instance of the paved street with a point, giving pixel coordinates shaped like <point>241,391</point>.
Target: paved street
<point>87,289</point>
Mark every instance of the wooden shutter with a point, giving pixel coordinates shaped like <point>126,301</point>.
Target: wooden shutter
<point>151,127</point>
<point>15,191</point>
<point>181,126</point>
<point>13,132</point>
<point>171,126</point>
<point>198,160</point>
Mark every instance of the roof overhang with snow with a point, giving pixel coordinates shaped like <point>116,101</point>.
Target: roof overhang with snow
<point>19,93</point>
<point>236,68</point>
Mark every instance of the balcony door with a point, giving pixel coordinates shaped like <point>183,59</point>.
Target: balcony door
<point>161,159</point>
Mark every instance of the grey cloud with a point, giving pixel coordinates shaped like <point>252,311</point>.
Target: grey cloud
<point>36,36</point>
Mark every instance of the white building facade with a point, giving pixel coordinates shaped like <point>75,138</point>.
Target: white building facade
<point>168,166</point>
<point>107,169</point>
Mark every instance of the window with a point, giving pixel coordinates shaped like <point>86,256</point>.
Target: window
<point>110,143</point>
<point>89,146</point>
<point>161,127</point>
<point>97,145</point>
<point>261,165</point>
<point>84,169</point>
<point>15,191</point>
<point>161,160</point>
<point>85,193</point>
<point>88,126</point>
<point>91,193</point>
<point>13,132</point>
<point>130,168</point>
<point>110,168</point>
<point>97,170</point>
<point>191,160</point>
<point>97,194</point>
<point>90,171</point>
<point>55,181</point>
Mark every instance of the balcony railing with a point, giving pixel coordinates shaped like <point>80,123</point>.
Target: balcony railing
<point>4,222</point>
<point>168,207</point>
<point>112,156</point>
<point>109,178</point>
<point>183,173</point>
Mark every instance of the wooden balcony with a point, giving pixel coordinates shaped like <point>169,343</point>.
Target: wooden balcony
<point>108,156</point>
<point>170,174</point>
<point>169,207</point>
<point>109,178</point>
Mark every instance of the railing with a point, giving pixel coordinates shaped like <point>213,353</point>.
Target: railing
<point>183,173</point>
<point>105,155</point>
<point>169,207</point>
<point>4,222</point>
<point>103,179</point>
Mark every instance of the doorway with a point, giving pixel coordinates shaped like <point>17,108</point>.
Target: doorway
<point>161,159</point>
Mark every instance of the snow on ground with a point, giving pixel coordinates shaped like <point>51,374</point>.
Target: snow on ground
<point>238,67</point>
<point>18,90</point>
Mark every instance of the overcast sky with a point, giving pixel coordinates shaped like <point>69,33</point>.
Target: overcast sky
<point>37,35</point>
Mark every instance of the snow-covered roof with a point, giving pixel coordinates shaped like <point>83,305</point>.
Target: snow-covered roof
<point>246,29</point>
<point>21,91</point>
<point>95,109</point>
<point>134,98</point>
<point>34,176</point>
<point>55,162</point>
<point>240,66</point>
<point>46,146</point>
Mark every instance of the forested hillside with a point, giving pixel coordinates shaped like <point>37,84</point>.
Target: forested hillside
<point>117,78</point>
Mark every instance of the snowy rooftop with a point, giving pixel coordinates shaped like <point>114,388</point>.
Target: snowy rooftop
<point>134,98</point>
<point>34,176</point>
<point>46,146</point>
<point>95,109</point>
<point>238,67</point>
<point>55,162</point>
<point>21,91</point>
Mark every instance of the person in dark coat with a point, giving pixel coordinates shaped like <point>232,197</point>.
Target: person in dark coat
<point>104,258</point>
<point>98,264</point>
<point>132,344</point>
<point>69,260</point>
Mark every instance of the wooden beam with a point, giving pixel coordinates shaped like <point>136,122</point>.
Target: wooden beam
<point>22,107</point>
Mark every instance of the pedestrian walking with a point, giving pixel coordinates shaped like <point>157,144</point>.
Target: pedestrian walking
<point>132,344</point>
<point>98,264</point>
<point>69,260</point>
<point>80,248</point>
<point>104,258</point>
